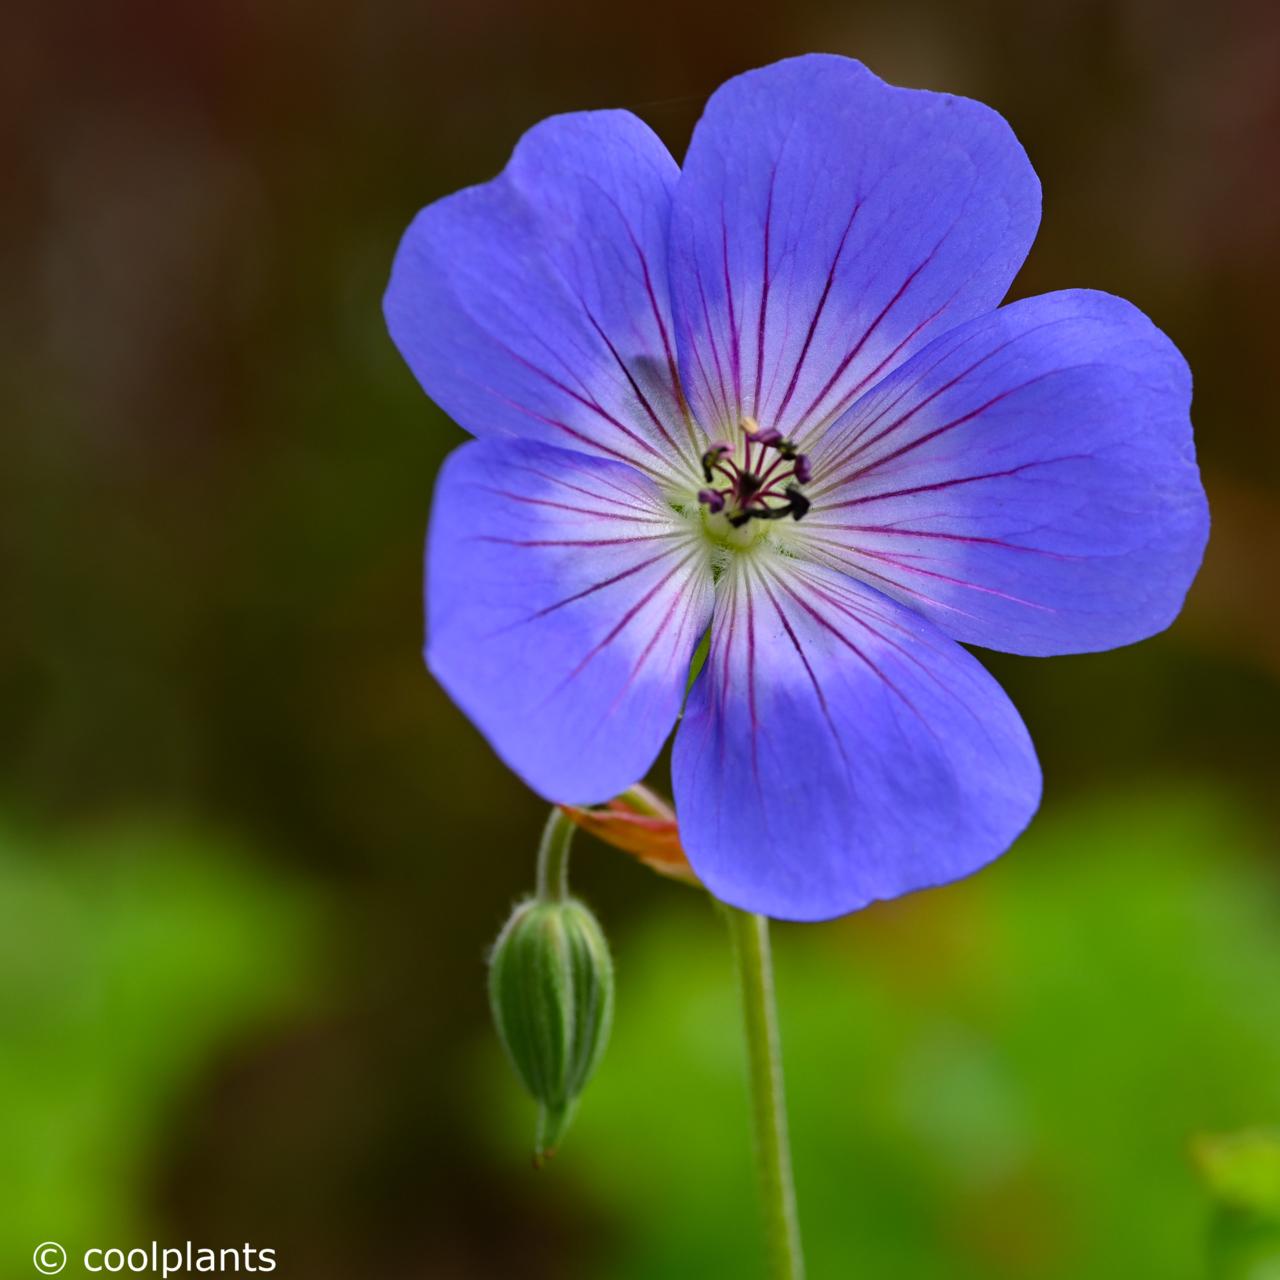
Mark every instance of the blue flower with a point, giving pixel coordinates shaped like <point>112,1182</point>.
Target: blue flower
<point>774,394</point>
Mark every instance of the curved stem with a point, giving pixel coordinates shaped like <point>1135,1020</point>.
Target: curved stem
<point>553,858</point>
<point>768,1106</point>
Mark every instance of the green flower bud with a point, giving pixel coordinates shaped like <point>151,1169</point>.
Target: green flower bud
<point>551,990</point>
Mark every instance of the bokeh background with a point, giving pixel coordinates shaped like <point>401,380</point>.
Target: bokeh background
<point>250,857</point>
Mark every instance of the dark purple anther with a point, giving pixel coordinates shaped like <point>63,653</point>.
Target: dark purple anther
<point>767,436</point>
<point>803,470</point>
<point>711,499</point>
<point>711,459</point>
<point>798,503</point>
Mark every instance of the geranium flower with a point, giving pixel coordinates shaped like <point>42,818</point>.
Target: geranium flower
<point>773,393</point>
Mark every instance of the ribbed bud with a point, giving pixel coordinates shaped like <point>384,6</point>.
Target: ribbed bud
<point>551,990</point>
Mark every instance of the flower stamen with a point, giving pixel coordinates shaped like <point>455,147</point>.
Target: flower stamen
<point>744,487</point>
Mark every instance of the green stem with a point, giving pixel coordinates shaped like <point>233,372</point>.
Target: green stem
<point>768,1107</point>
<point>553,858</point>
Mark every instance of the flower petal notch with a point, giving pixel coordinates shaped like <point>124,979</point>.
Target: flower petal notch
<point>775,394</point>
<point>537,304</point>
<point>826,226</point>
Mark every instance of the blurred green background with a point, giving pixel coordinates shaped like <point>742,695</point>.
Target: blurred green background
<point>250,857</point>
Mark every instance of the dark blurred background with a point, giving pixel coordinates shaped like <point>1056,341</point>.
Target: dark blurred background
<point>250,856</point>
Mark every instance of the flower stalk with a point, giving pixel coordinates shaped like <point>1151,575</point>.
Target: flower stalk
<point>750,934</point>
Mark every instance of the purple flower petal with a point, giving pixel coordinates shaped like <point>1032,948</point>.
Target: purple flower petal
<point>837,748</point>
<point>564,601</point>
<point>827,225</point>
<point>1028,481</point>
<point>536,305</point>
